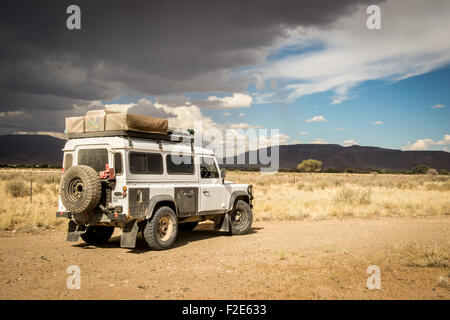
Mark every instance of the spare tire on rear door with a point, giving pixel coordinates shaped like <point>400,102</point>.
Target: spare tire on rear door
<point>80,189</point>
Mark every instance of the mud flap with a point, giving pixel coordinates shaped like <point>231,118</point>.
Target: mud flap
<point>129,233</point>
<point>223,223</point>
<point>74,231</point>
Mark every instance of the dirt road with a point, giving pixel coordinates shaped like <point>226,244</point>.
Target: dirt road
<point>324,259</point>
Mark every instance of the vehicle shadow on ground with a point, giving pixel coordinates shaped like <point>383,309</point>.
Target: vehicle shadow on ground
<point>184,237</point>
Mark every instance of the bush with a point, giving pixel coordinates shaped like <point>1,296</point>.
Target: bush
<point>432,172</point>
<point>443,172</point>
<point>16,188</point>
<point>353,197</point>
<point>420,169</point>
<point>310,165</point>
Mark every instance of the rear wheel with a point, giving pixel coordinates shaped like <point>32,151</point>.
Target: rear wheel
<point>97,234</point>
<point>241,218</point>
<point>161,230</point>
<point>187,226</point>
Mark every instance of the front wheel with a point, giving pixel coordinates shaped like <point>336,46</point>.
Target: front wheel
<point>161,230</point>
<point>241,218</point>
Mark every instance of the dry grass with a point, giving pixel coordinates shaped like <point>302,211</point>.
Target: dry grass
<point>16,210</point>
<point>284,196</point>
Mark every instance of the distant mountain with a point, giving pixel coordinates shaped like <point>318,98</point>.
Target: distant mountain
<point>39,149</point>
<point>31,149</point>
<point>356,157</point>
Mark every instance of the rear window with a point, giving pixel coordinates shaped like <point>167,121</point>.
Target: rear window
<point>146,163</point>
<point>177,164</point>
<point>95,158</point>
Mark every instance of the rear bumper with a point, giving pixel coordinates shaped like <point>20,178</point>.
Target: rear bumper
<point>113,216</point>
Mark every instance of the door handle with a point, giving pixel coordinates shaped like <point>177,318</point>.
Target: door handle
<point>206,192</point>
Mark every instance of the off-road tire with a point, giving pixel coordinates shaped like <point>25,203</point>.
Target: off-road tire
<point>80,189</point>
<point>154,229</point>
<point>187,226</point>
<point>244,224</point>
<point>96,235</point>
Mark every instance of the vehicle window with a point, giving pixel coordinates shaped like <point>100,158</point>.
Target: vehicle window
<point>208,169</point>
<point>154,163</point>
<point>137,163</point>
<point>146,163</point>
<point>68,160</point>
<point>118,168</point>
<point>177,164</point>
<point>95,158</point>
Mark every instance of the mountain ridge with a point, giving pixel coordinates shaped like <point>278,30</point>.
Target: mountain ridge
<point>39,149</point>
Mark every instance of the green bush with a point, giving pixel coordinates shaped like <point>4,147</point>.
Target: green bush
<point>310,165</point>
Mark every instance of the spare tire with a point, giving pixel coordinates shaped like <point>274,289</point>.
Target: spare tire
<point>80,189</point>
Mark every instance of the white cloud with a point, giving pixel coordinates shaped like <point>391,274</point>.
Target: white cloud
<point>303,133</point>
<point>238,100</point>
<point>438,106</point>
<point>377,123</point>
<point>340,129</point>
<point>226,114</point>
<point>316,119</point>
<point>349,142</point>
<point>413,41</point>
<point>58,135</point>
<point>427,144</point>
<point>241,115</point>
<point>319,141</point>
<point>243,126</point>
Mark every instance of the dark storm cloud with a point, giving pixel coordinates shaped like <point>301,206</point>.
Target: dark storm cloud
<point>139,47</point>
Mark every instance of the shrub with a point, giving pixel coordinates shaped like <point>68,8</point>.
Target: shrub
<point>432,172</point>
<point>420,169</point>
<point>310,165</point>
<point>16,188</point>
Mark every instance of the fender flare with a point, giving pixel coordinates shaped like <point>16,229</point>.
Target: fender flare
<point>236,194</point>
<point>155,200</point>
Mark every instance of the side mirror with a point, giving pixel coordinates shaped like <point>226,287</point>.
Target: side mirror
<point>223,174</point>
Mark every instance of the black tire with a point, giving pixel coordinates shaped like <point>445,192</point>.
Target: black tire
<point>80,189</point>
<point>96,235</point>
<point>187,226</point>
<point>161,230</point>
<point>241,218</point>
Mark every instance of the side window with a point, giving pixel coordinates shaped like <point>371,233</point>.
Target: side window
<point>208,169</point>
<point>68,160</point>
<point>154,163</point>
<point>177,164</point>
<point>118,167</point>
<point>146,163</point>
<point>137,163</point>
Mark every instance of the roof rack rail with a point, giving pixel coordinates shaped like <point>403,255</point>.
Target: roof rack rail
<point>174,136</point>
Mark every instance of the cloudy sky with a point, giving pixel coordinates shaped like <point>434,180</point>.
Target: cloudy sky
<point>311,69</point>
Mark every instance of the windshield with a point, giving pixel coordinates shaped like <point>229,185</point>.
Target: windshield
<point>95,158</point>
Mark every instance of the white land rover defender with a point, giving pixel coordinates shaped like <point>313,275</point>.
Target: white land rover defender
<point>154,181</point>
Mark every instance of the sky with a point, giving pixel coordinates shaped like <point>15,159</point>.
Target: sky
<point>311,69</point>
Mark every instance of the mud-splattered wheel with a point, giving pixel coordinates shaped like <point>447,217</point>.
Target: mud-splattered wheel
<point>161,230</point>
<point>241,218</point>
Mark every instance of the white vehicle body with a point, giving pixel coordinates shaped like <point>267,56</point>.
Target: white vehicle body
<point>146,175</point>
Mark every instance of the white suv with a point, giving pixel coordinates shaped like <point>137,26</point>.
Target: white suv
<point>157,186</point>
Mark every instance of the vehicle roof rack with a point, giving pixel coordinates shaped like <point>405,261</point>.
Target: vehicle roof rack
<point>174,136</point>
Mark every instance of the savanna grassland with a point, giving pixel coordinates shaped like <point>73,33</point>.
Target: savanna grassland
<point>313,237</point>
<point>282,196</point>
